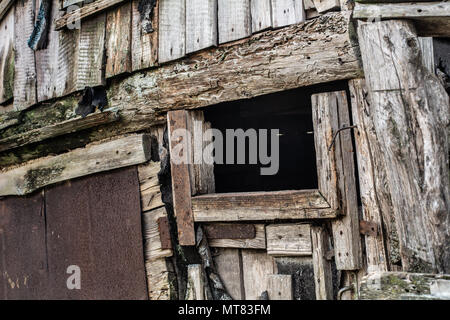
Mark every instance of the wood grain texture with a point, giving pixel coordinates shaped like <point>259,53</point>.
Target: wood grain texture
<point>279,287</point>
<point>234,20</point>
<point>305,204</point>
<point>181,187</point>
<point>326,5</point>
<point>24,61</point>
<point>94,158</point>
<point>376,255</point>
<point>323,277</point>
<point>144,43</point>
<point>261,12</point>
<point>149,186</point>
<point>258,242</point>
<point>427,48</point>
<point>201,24</point>
<point>7,56</point>
<point>292,239</point>
<point>88,10</point>
<point>410,116</point>
<point>118,40</point>
<point>195,286</point>
<point>5,5</point>
<point>152,240</point>
<point>65,127</point>
<point>257,267</point>
<point>90,65</point>
<point>229,267</point>
<point>172,30</point>
<point>336,174</point>
<point>286,12</point>
<point>159,280</point>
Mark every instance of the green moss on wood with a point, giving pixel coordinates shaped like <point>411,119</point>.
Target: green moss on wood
<point>36,178</point>
<point>8,76</point>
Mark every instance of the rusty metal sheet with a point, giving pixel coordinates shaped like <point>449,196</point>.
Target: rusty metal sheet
<point>95,223</point>
<point>164,233</point>
<point>368,228</point>
<point>230,231</point>
<point>23,259</point>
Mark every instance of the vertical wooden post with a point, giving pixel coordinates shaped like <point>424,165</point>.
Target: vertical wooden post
<point>323,277</point>
<point>410,116</point>
<point>179,142</point>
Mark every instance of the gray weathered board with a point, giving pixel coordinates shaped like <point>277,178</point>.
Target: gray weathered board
<point>286,12</point>
<point>7,56</point>
<point>74,224</point>
<point>261,12</point>
<point>172,30</point>
<point>234,20</point>
<point>201,24</point>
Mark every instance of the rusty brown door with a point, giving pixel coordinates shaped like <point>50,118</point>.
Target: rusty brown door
<point>92,223</point>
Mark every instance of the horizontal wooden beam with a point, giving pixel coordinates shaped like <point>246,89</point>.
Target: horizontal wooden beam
<point>85,11</point>
<point>123,152</point>
<point>254,206</point>
<point>258,241</point>
<point>432,19</point>
<point>58,129</point>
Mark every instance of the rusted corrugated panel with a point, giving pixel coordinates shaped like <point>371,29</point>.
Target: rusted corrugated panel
<point>95,223</point>
<point>23,263</point>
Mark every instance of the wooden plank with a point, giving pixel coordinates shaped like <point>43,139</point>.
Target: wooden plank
<point>234,20</point>
<point>258,242</point>
<point>323,277</point>
<point>229,267</point>
<point>336,173</point>
<point>181,187</point>
<point>88,10</point>
<point>201,165</point>
<point>377,259</point>
<point>201,24</point>
<point>195,285</point>
<point>93,158</point>
<point>172,30</point>
<point>90,65</point>
<point>286,12</point>
<point>100,232</point>
<point>7,57</point>
<point>261,12</point>
<point>24,62</point>
<point>152,240</point>
<point>289,239</point>
<point>118,40</point>
<point>305,204</point>
<point>279,287</point>
<point>23,263</point>
<point>257,266</point>
<point>144,37</point>
<point>323,6</point>
<point>65,127</point>
<point>4,7</point>
<point>159,280</point>
<point>426,46</point>
<point>431,19</point>
<point>149,186</point>
<point>410,110</point>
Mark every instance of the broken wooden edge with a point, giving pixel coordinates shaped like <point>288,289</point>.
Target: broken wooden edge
<point>4,7</point>
<point>58,129</point>
<point>256,206</point>
<point>432,19</point>
<point>93,158</point>
<point>84,12</point>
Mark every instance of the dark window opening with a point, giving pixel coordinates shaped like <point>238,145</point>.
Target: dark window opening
<point>290,112</point>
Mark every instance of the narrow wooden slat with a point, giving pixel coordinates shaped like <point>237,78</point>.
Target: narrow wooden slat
<point>7,56</point>
<point>144,40</point>
<point>4,7</point>
<point>181,187</point>
<point>305,204</point>
<point>323,277</point>
<point>87,10</point>
<point>289,239</point>
<point>90,66</point>
<point>195,286</point>
<point>258,242</point>
<point>261,11</point>
<point>426,46</point>
<point>159,280</point>
<point>118,40</point>
<point>93,158</point>
<point>234,20</point>
<point>172,30</point>
<point>24,62</point>
<point>201,24</point>
<point>286,12</point>
<point>326,5</point>
<point>229,267</point>
<point>279,287</point>
<point>257,266</point>
<point>58,129</point>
